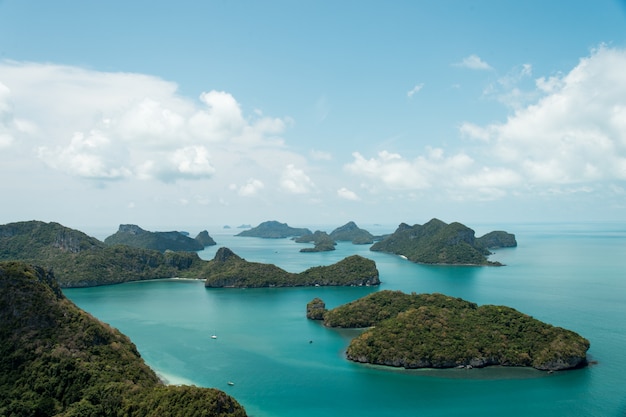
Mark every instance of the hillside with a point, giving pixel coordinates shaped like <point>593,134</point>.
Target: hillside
<point>79,260</point>
<point>437,242</point>
<point>57,360</point>
<point>229,270</point>
<point>135,236</point>
<point>353,233</point>
<point>321,240</point>
<point>437,331</point>
<point>274,230</point>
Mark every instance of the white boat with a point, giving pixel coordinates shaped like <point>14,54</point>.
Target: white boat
<point>231,383</point>
<point>213,337</point>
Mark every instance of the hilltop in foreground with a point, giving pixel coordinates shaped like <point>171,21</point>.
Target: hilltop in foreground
<point>57,360</point>
<point>437,331</point>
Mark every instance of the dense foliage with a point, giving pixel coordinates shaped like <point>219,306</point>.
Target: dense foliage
<point>351,232</point>
<point>437,331</point>
<point>56,360</point>
<point>135,236</point>
<point>274,230</point>
<point>437,242</point>
<point>322,241</point>
<point>229,270</point>
<point>79,260</point>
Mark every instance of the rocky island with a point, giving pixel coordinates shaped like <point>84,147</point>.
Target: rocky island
<point>229,270</point>
<point>440,243</point>
<point>438,331</point>
<point>79,260</point>
<point>321,240</point>
<point>274,230</point>
<point>353,233</point>
<point>135,236</point>
<point>59,361</point>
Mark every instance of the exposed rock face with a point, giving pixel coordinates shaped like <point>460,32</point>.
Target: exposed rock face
<point>316,309</point>
<point>205,239</point>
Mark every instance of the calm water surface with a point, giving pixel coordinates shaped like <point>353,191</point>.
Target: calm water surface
<point>284,365</point>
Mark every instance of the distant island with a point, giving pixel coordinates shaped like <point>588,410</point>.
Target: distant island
<point>353,233</point>
<point>326,242</point>
<point>79,260</point>
<point>321,240</point>
<point>135,236</point>
<point>60,361</point>
<point>228,270</point>
<point>438,331</point>
<point>440,243</point>
<point>274,230</point>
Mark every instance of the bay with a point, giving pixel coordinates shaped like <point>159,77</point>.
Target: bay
<point>281,364</point>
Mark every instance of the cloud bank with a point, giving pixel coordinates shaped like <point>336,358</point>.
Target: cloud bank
<point>571,139</point>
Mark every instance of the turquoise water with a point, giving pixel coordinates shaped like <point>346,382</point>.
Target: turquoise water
<point>573,276</point>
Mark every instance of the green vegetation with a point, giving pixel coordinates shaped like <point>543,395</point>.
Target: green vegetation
<point>79,260</point>
<point>351,232</point>
<point>316,309</point>
<point>321,240</point>
<point>229,270</point>
<point>437,331</point>
<point>135,236</point>
<point>57,360</point>
<point>274,230</point>
<point>437,242</point>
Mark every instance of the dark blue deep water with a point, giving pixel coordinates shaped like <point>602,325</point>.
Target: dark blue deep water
<point>569,275</point>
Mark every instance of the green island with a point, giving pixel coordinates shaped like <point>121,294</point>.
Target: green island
<point>326,242</point>
<point>274,230</point>
<point>79,260</point>
<point>438,331</point>
<point>57,360</point>
<point>440,243</point>
<point>321,240</point>
<point>229,270</point>
<point>353,233</point>
<point>135,236</point>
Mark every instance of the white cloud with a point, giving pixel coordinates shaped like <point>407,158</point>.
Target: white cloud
<point>295,181</point>
<point>473,62</point>
<point>571,140</point>
<point>346,194</point>
<point>114,126</point>
<point>252,187</point>
<point>415,90</point>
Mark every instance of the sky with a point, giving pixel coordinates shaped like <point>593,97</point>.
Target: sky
<point>190,113</point>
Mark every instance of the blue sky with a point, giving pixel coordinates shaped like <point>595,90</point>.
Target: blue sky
<point>175,114</point>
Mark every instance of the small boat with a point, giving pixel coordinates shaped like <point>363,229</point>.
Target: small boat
<point>213,337</point>
<point>231,383</point>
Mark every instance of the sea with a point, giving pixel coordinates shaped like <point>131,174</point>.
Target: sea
<point>258,346</point>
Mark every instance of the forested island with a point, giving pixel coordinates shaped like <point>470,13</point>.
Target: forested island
<point>57,360</point>
<point>135,236</point>
<point>229,270</point>
<point>441,243</point>
<point>79,260</point>
<point>274,230</point>
<point>438,331</point>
